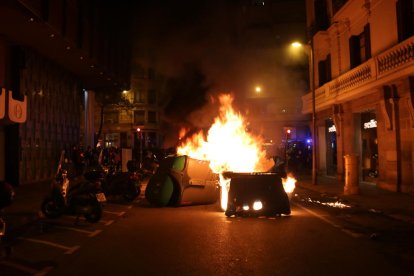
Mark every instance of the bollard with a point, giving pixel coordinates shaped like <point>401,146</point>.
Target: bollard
<point>351,174</point>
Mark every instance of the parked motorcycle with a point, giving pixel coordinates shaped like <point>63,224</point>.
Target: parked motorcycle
<point>6,199</point>
<point>77,196</point>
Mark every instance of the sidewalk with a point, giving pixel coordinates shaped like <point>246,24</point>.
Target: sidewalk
<point>25,208</point>
<point>399,206</point>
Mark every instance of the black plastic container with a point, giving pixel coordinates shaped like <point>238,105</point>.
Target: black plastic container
<point>256,194</point>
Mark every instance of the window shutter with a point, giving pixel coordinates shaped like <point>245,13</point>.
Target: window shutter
<point>367,34</point>
<point>328,68</point>
<point>354,55</point>
<point>322,72</point>
<point>404,19</point>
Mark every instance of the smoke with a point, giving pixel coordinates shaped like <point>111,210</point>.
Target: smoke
<point>211,37</point>
<point>177,34</point>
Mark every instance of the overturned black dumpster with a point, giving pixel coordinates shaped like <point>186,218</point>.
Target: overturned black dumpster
<point>256,194</point>
<point>181,180</point>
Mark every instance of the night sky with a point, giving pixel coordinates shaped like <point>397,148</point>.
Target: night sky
<point>212,33</point>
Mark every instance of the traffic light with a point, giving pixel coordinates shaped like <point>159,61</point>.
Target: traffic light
<point>288,134</point>
<point>139,133</point>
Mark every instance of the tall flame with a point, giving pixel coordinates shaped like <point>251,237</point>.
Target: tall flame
<point>228,146</point>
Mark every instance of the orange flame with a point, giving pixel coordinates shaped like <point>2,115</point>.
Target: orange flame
<point>228,146</point>
<point>289,183</point>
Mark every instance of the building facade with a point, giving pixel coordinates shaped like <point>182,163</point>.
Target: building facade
<point>53,53</point>
<point>363,69</point>
<point>136,124</point>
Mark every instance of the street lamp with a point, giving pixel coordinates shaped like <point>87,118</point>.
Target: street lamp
<point>312,88</point>
<point>287,138</point>
<point>140,146</point>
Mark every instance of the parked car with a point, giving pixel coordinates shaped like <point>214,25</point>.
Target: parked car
<point>182,180</point>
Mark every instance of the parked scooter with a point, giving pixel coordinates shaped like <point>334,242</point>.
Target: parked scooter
<point>150,164</point>
<point>125,184</point>
<point>77,196</point>
<point>6,199</point>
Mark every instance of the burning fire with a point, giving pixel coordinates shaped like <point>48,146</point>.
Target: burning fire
<point>229,147</point>
<point>289,183</point>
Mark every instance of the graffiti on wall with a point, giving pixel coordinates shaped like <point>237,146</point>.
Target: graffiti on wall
<point>16,110</point>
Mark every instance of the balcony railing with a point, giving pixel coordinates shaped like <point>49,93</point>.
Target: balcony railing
<point>353,82</point>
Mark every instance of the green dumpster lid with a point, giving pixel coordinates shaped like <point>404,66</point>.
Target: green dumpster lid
<point>179,163</point>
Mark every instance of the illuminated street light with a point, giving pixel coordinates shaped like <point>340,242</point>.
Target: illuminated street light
<point>140,146</point>
<point>287,138</point>
<point>296,44</point>
<point>310,49</point>
<point>258,89</point>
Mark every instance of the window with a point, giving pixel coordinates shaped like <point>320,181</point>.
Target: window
<point>337,5</point>
<point>139,117</point>
<point>405,19</point>
<point>80,26</point>
<point>45,10</point>
<point>259,2</point>
<point>139,95</point>
<point>331,148</point>
<point>321,15</point>
<point>123,140</point>
<point>111,117</point>
<point>111,139</point>
<point>363,46</point>
<point>369,145</point>
<point>139,71</point>
<point>152,96</point>
<point>152,139</point>
<point>64,17</point>
<point>151,73</point>
<point>324,70</point>
<point>360,47</point>
<point>152,117</point>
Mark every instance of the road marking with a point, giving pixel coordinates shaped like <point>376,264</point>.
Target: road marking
<point>69,250</point>
<point>76,218</point>
<point>19,267</point>
<point>90,233</point>
<point>317,215</point>
<point>107,222</point>
<point>44,271</point>
<point>119,214</point>
<point>402,218</point>
<point>347,231</point>
<point>352,233</point>
<point>83,220</point>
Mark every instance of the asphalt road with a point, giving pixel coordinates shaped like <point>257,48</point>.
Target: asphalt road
<point>136,239</point>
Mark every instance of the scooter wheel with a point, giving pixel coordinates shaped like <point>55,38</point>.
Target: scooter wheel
<point>132,194</point>
<point>50,208</point>
<point>95,214</point>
